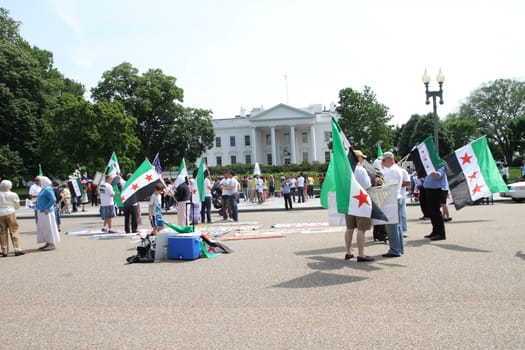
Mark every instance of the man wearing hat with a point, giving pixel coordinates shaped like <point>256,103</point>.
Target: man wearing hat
<point>357,222</point>
<point>393,175</point>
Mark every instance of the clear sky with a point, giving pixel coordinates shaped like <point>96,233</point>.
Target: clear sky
<point>228,54</point>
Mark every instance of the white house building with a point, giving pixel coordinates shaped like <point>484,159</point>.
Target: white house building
<point>275,136</point>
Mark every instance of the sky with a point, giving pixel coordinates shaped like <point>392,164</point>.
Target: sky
<point>233,54</point>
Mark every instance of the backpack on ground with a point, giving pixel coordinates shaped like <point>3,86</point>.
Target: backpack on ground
<point>145,252</point>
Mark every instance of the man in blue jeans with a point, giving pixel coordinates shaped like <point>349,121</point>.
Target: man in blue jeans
<point>393,175</point>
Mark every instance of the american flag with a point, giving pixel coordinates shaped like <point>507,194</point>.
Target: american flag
<point>158,168</point>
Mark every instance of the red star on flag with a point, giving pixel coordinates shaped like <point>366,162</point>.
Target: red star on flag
<point>473,176</point>
<point>149,177</point>
<point>362,197</point>
<point>466,158</point>
<point>477,188</point>
<point>123,199</point>
<point>134,186</point>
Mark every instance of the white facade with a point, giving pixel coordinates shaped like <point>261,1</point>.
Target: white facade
<point>279,135</point>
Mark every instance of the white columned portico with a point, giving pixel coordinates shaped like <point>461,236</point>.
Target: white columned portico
<point>274,147</point>
<point>292,144</point>
<point>254,144</point>
<point>313,148</point>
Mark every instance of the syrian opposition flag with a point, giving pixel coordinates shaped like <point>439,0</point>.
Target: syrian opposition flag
<point>379,151</point>
<point>472,173</point>
<point>75,187</point>
<point>142,181</point>
<point>350,196</point>
<point>425,157</point>
<point>182,174</point>
<point>200,179</point>
<point>113,168</point>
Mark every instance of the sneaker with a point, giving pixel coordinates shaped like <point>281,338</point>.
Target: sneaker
<point>111,231</point>
<point>103,229</point>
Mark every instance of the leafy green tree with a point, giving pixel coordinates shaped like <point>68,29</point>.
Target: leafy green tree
<point>424,128</point>
<point>460,130</point>
<point>163,124</point>
<point>364,120</point>
<point>495,106</point>
<point>404,144</point>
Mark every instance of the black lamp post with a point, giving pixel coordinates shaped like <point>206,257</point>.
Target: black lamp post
<point>440,79</point>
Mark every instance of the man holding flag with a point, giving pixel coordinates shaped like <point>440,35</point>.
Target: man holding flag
<point>360,223</point>
<point>393,175</point>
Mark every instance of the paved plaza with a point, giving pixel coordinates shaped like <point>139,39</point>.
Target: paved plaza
<point>293,292</point>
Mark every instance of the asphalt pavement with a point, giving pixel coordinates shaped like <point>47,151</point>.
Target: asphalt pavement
<point>292,292</point>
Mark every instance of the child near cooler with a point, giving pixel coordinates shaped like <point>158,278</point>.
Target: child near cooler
<point>155,209</point>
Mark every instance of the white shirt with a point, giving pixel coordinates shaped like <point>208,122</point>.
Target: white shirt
<point>300,181</point>
<point>392,175</point>
<point>207,185</point>
<point>106,194</point>
<point>406,178</point>
<point>9,202</point>
<point>34,190</point>
<point>361,176</point>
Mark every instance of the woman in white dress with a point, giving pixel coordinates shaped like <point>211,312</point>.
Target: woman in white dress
<point>46,229</point>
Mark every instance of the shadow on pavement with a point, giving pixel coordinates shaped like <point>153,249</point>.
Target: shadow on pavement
<point>319,279</point>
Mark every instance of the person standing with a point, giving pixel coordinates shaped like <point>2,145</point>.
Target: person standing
<point>300,188</point>
<point>271,186</point>
<point>131,222</point>
<point>155,209</point>
<point>393,175</point>
<point>46,228</point>
<point>182,195</point>
<point>206,205</point>
<point>505,172</point>
<point>34,190</point>
<point>362,224</point>
<point>285,188</point>
<point>434,183</point>
<point>293,187</point>
<point>310,191</point>
<point>402,227</point>
<point>107,204</point>
<point>245,188</point>
<point>259,187</point>
<point>9,203</point>
<point>59,195</point>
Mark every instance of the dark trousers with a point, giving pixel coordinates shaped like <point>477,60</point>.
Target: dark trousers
<point>300,194</point>
<point>206,210</point>
<point>287,201</point>
<point>226,207</point>
<point>130,218</point>
<point>423,202</point>
<point>433,199</point>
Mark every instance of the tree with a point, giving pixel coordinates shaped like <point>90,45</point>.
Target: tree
<point>495,106</point>
<point>364,120</point>
<point>404,145</point>
<point>424,128</point>
<point>460,131</point>
<point>163,124</point>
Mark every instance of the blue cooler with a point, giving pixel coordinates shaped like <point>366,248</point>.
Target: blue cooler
<point>184,247</point>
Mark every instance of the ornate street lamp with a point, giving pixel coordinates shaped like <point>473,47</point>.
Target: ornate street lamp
<point>440,78</point>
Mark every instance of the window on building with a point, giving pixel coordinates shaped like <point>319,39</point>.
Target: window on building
<point>305,156</point>
<point>304,136</point>
<point>248,159</point>
<point>268,139</point>
<point>246,140</point>
<point>269,158</point>
<point>286,139</point>
<point>287,161</point>
<point>219,161</point>
<point>218,141</point>
<point>327,136</point>
<point>327,157</point>
<point>232,141</point>
<point>233,159</point>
